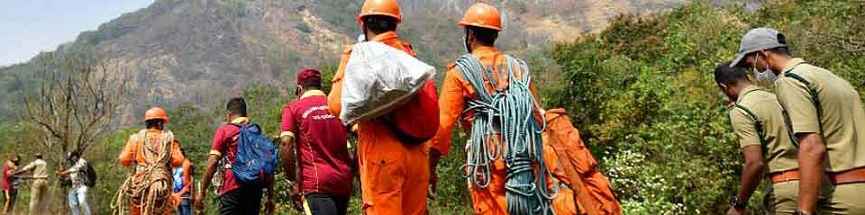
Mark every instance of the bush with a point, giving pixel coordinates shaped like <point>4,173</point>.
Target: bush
<point>644,94</point>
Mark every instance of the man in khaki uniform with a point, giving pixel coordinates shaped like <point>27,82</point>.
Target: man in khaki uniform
<point>758,121</point>
<point>39,188</point>
<point>826,117</point>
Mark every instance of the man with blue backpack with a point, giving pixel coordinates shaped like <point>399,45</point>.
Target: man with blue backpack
<point>249,159</point>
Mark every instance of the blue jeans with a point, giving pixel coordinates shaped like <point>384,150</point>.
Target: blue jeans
<point>185,207</point>
<point>78,200</point>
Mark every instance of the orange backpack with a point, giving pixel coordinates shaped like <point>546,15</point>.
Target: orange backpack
<point>588,191</point>
<point>418,120</point>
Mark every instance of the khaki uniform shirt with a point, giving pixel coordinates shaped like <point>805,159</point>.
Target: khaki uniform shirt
<point>841,121</point>
<point>780,152</point>
<point>39,168</point>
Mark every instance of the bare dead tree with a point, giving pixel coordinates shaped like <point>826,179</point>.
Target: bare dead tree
<point>77,98</point>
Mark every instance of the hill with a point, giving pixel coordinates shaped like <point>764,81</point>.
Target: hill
<point>203,51</point>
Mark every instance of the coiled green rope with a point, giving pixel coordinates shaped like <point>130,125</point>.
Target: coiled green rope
<point>508,113</point>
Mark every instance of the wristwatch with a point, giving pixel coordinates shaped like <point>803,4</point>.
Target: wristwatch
<point>801,212</point>
<point>737,203</point>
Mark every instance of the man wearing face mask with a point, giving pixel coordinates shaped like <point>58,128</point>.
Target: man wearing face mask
<point>826,117</point>
<point>758,121</point>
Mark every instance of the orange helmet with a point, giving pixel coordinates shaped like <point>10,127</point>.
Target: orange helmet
<point>381,8</point>
<point>483,16</point>
<point>156,113</point>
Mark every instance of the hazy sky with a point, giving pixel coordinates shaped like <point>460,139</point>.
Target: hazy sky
<point>30,26</point>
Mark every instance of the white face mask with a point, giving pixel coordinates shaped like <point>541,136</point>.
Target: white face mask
<point>767,77</point>
<point>361,38</point>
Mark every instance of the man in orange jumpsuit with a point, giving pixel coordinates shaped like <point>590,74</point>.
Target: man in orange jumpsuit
<point>394,174</point>
<point>482,23</point>
<point>153,152</point>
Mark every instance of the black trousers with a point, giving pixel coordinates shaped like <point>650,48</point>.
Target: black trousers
<point>326,204</point>
<point>242,201</point>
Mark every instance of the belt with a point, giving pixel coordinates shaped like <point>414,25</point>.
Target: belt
<point>784,176</point>
<point>856,175</point>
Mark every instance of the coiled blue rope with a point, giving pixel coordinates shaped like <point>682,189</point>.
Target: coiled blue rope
<point>508,113</point>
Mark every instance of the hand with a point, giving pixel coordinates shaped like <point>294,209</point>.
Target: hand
<point>434,157</point>
<point>734,211</point>
<point>353,129</point>
<point>269,207</point>
<point>198,202</point>
<point>296,197</point>
<point>175,198</point>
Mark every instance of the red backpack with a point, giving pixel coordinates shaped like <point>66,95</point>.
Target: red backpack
<point>418,120</point>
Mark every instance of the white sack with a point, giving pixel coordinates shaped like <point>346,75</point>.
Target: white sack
<point>379,78</point>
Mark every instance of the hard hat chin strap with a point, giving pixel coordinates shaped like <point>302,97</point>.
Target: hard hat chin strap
<point>466,40</point>
<point>364,36</point>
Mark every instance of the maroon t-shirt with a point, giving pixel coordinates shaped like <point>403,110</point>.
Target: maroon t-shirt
<point>321,146</point>
<point>7,177</point>
<point>225,142</point>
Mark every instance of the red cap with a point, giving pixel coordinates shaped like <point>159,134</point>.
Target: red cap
<point>308,76</point>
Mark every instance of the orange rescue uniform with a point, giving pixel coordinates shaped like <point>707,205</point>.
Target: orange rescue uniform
<point>394,176</point>
<point>454,94</point>
<point>587,191</point>
<point>133,153</point>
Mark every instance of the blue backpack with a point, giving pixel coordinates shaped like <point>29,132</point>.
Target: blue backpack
<point>256,156</point>
<point>177,176</point>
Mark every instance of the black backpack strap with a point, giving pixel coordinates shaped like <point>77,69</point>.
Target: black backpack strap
<point>815,98</point>
<point>404,137</point>
<point>758,124</point>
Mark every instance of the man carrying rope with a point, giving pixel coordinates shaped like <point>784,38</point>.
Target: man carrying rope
<point>153,152</point>
<point>505,165</point>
